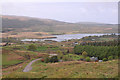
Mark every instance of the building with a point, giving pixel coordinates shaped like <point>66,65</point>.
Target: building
<point>50,55</point>
<point>100,60</point>
<point>94,59</point>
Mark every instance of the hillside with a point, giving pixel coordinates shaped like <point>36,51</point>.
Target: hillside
<point>70,69</point>
<point>30,24</point>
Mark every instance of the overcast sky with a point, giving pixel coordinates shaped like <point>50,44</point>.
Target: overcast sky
<point>59,1</point>
<point>72,11</point>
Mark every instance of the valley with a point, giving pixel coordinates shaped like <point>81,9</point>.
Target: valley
<point>45,48</point>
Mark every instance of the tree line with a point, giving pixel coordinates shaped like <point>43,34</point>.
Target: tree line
<point>103,43</point>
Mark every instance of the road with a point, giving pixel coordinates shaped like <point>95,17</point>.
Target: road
<point>29,67</point>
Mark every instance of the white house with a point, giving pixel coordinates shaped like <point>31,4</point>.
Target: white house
<point>93,58</point>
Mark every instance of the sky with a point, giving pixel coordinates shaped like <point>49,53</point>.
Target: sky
<point>64,10</point>
<point>59,1</point>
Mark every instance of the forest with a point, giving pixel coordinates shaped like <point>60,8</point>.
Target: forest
<point>98,51</point>
<point>104,43</point>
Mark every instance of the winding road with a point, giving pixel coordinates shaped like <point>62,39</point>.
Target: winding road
<point>29,67</point>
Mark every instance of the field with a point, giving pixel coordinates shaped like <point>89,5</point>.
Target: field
<point>14,55</point>
<point>70,69</point>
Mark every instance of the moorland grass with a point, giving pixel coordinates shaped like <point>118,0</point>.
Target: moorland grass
<point>70,69</point>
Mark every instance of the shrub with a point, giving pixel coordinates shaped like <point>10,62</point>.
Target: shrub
<point>81,57</point>
<point>47,60</point>
<point>84,53</point>
<point>110,57</point>
<point>116,57</point>
<point>66,58</point>
<point>32,47</point>
<point>104,59</point>
<point>87,59</point>
<point>53,59</point>
<point>59,52</point>
<point>42,60</point>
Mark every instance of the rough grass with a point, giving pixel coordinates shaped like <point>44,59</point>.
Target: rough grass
<point>47,48</point>
<point>70,69</point>
<point>16,68</point>
<point>78,69</point>
<point>11,56</point>
<point>42,48</point>
<point>74,56</point>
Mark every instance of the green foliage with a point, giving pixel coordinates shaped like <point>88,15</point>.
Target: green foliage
<point>87,59</point>
<point>84,54</point>
<point>71,57</point>
<point>98,51</point>
<point>32,47</point>
<point>7,63</point>
<point>104,59</point>
<point>109,40</point>
<point>66,58</point>
<point>53,59</point>
<point>75,70</point>
<point>81,57</point>
<point>55,48</point>
<point>110,57</point>
<point>59,52</point>
<point>42,48</point>
<point>47,48</point>
<point>47,60</point>
<point>116,57</point>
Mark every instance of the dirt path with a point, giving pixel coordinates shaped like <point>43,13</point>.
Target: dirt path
<point>29,67</point>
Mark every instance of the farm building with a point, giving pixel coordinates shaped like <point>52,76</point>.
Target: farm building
<point>94,59</point>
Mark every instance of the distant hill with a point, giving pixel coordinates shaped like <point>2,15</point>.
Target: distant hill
<point>26,24</point>
<point>89,23</point>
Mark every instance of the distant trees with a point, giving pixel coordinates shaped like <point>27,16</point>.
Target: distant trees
<point>99,38</point>
<point>53,59</point>
<point>98,51</point>
<point>32,47</point>
<point>104,43</point>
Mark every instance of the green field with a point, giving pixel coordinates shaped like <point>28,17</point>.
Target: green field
<point>8,62</point>
<point>12,55</point>
<point>47,48</point>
